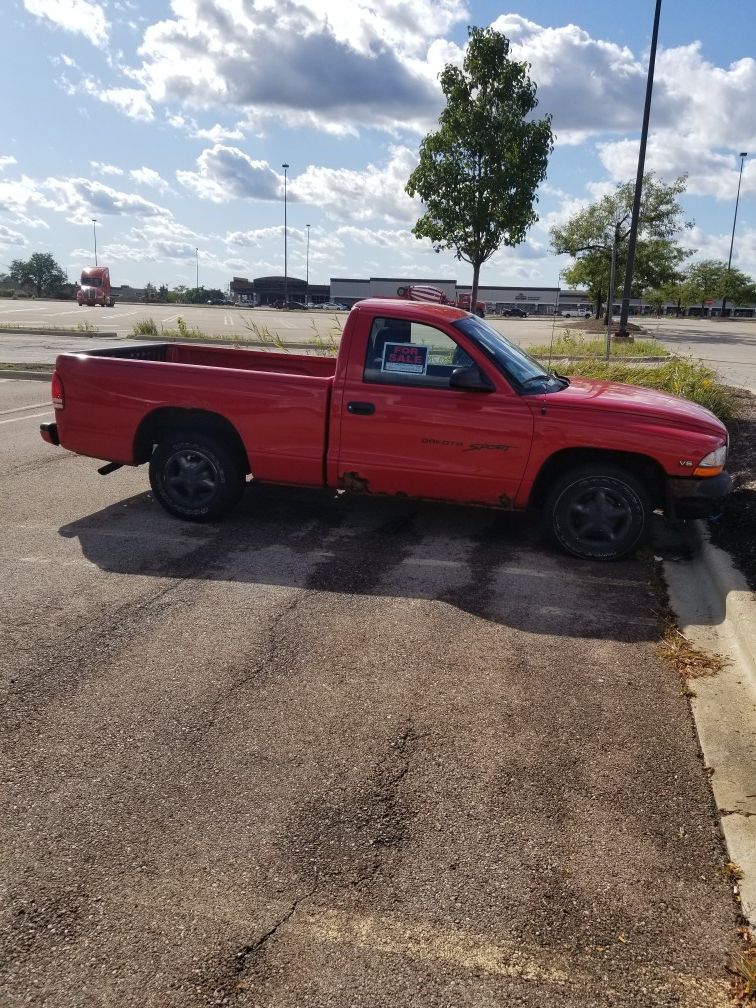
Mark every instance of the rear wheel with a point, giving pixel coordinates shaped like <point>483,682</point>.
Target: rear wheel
<point>598,513</point>
<point>196,476</point>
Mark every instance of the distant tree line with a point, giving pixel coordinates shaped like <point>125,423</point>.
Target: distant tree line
<point>41,276</point>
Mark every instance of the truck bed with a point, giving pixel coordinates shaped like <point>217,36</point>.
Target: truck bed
<point>202,355</point>
<point>277,402</point>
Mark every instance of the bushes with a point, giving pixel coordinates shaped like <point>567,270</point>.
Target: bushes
<point>681,377</point>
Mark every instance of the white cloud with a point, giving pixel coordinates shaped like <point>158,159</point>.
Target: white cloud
<point>5,160</point>
<point>18,196</point>
<point>374,64</point>
<point>215,134</point>
<point>82,199</point>
<point>149,177</point>
<point>375,192</point>
<point>131,101</point>
<point>226,173</point>
<point>710,172</point>
<point>254,238</point>
<point>80,16</point>
<point>106,169</point>
<point>9,237</point>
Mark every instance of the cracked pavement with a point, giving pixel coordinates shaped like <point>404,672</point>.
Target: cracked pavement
<point>336,752</point>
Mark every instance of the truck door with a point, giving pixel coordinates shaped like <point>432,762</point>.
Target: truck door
<point>404,430</point>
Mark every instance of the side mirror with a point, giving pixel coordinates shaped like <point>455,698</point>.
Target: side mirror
<point>470,379</point>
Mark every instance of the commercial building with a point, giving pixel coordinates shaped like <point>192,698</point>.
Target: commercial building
<point>533,300</point>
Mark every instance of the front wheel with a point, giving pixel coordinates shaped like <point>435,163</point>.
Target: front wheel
<point>196,477</point>
<point>598,513</point>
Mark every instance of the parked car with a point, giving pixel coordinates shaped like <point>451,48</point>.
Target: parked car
<point>575,313</point>
<point>332,306</point>
<point>515,313</point>
<point>423,401</point>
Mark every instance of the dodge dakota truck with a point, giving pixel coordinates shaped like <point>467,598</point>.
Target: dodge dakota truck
<point>423,401</point>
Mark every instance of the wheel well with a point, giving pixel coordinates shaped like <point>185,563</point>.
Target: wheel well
<point>160,422</point>
<point>645,469</point>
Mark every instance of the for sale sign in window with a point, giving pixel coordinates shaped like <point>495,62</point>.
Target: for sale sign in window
<point>406,358</point>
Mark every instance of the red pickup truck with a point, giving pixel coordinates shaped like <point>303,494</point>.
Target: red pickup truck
<point>423,401</point>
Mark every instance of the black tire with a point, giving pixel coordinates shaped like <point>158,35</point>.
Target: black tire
<point>196,476</point>
<point>598,513</point>
<point>401,291</point>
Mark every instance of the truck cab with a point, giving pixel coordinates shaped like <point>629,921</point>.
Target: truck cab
<point>94,287</point>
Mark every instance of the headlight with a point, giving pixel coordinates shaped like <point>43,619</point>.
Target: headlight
<point>713,463</point>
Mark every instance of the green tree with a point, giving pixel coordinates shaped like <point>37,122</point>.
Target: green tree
<point>478,173</point>
<point>710,280</point>
<point>592,235</point>
<point>41,272</point>
<point>150,292</point>
<point>162,293</point>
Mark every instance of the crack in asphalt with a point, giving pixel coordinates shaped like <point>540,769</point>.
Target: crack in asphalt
<point>242,957</point>
<point>269,660</point>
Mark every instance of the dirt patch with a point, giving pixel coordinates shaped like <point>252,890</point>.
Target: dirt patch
<point>733,528</point>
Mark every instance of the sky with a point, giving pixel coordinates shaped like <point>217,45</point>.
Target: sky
<point>169,123</point>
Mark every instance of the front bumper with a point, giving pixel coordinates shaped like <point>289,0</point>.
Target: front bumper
<point>697,498</point>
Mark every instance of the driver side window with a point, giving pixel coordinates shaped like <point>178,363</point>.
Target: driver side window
<point>402,352</point>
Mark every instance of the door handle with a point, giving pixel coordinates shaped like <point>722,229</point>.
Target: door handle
<point>363,408</point>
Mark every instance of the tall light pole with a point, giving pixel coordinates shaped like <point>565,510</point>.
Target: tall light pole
<point>633,236</point>
<point>94,232</point>
<point>743,155</point>
<point>286,247</point>
<point>196,258</point>
<point>307,267</point>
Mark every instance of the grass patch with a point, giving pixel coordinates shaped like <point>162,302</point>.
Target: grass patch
<point>685,378</point>
<point>259,337</point>
<point>182,331</point>
<point>578,345</point>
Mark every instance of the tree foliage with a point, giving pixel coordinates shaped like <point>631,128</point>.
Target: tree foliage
<point>478,173</point>
<point>590,235</point>
<point>41,273</point>
<point>710,280</point>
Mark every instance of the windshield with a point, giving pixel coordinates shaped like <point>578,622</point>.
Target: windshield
<point>88,281</point>
<point>525,372</point>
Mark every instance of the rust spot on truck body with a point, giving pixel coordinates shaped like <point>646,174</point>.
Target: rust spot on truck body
<point>354,483</point>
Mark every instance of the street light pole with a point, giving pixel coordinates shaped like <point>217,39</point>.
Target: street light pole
<point>633,236</point>
<point>307,268</point>
<point>94,231</point>
<point>196,257</point>
<point>743,155</point>
<point>286,247</point>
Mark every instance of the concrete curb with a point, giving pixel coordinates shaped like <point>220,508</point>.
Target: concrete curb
<point>27,375</point>
<point>736,597</point>
<point>34,331</point>
<point>716,610</point>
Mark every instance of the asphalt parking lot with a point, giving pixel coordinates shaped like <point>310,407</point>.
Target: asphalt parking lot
<point>728,346</point>
<point>336,752</point>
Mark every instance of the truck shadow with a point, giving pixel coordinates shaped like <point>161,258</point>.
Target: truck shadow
<point>488,564</point>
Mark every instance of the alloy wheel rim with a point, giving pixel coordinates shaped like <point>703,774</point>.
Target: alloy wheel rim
<point>191,478</point>
<point>598,517</point>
